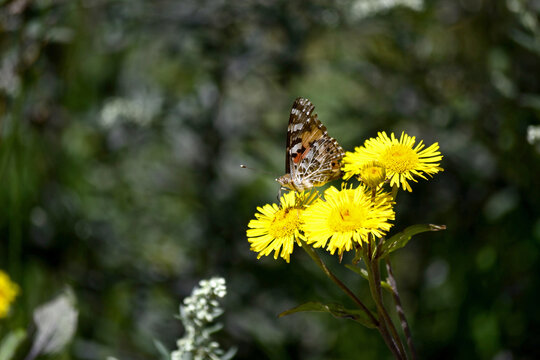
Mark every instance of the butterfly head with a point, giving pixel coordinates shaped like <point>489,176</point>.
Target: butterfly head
<point>286,181</point>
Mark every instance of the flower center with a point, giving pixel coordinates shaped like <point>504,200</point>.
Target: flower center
<point>400,158</point>
<point>285,223</point>
<point>346,219</point>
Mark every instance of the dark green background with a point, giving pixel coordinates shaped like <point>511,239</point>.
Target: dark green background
<point>123,124</point>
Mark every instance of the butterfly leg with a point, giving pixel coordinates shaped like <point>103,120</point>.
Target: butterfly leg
<point>279,194</point>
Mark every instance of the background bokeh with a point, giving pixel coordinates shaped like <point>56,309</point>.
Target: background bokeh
<point>123,124</point>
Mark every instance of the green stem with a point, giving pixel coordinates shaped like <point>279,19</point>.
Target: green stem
<point>315,257</point>
<point>388,340</point>
<point>380,325</point>
<point>393,330</point>
<point>399,309</point>
<point>394,192</point>
<point>376,293</point>
<point>372,266</point>
<point>10,171</point>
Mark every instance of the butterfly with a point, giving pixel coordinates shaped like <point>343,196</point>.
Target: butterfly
<point>312,157</point>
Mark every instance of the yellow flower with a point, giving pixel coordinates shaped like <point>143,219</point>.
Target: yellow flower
<point>278,227</point>
<point>372,174</point>
<point>8,291</point>
<point>403,161</point>
<point>346,217</point>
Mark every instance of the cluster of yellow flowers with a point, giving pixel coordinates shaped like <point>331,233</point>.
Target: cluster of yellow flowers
<point>341,219</point>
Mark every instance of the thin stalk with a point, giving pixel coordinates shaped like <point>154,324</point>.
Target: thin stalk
<point>376,293</point>
<point>392,327</point>
<point>11,173</point>
<point>370,251</point>
<point>394,192</point>
<point>379,324</point>
<point>316,258</point>
<point>399,309</point>
<point>388,339</point>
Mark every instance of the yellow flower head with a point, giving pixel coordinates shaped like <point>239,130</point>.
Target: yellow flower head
<point>8,291</point>
<point>372,174</point>
<point>278,227</point>
<point>403,161</point>
<point>347,216</point>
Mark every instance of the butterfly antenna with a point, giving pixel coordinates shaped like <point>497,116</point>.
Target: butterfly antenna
<point>265,172</point>
<point>252,169</point>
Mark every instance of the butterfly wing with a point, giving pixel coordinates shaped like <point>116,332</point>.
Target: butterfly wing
<point>313,157</point>
<point>299,120</point>
<point>321,164</point>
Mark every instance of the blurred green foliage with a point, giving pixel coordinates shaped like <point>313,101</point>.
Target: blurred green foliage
<point>123,125</point>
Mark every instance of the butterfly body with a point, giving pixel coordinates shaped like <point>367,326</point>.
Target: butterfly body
<point>312,156</point>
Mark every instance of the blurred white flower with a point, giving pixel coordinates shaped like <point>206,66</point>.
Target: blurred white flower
<point>364,8</point>
<point>10,82</point>
<point>140,110</point>
<point>197,314</point>
<point>533,134</point>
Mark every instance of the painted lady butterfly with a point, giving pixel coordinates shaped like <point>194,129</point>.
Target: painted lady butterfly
<point>313,157</point>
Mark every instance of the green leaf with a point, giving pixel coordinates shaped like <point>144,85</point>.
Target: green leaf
<point>401,239</point>
<point>335,310</point>
<point>164,353</point>
<point>364,274</point>
<point>10,342</point>
<point>358,270</point>
<point>229,354</point>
